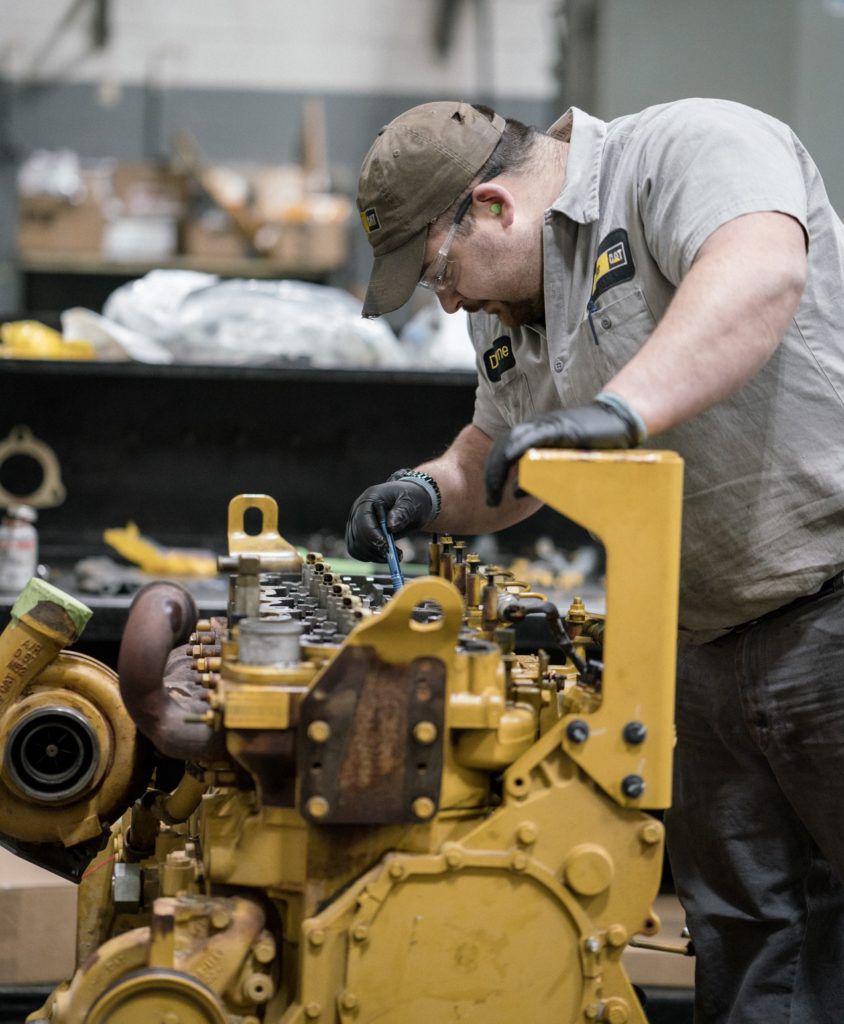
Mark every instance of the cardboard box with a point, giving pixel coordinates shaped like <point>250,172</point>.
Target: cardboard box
<point>56,226</point>
<point>149,189</point>
<point>212,234</point>
<point>38,930</point>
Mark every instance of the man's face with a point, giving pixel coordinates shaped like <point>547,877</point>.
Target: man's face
<point>492,272</point>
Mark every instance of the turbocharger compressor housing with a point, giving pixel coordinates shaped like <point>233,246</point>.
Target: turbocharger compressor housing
<point>70,757</point>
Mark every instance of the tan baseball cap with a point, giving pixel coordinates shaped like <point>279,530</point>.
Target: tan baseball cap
<point>419,165</point>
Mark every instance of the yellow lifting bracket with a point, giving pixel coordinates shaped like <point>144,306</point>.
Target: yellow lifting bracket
<point>632,502</point>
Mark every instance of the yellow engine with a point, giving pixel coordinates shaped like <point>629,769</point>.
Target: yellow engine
<point>360,811</point>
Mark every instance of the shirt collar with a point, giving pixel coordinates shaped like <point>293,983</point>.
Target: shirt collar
<point>586,135</point>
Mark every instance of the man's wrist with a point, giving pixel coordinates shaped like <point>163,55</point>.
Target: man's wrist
<point>426,481</point>
<point>626,411</point>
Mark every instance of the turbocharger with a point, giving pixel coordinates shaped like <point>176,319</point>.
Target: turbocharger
<point>71,759</point>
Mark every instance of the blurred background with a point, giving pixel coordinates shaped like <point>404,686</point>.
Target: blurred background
<point>247,93</point>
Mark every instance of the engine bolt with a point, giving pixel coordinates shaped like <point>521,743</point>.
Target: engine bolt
<point>616,1011</point>
<point>616,935</point>
<point>425,732</point>
<point>635,733</point>
<point>577,731</point>
<point>632,786</point>
<point>348,1000</point>
<point>316,937</point>
<point>221,918</point>
<point>360,933</point>
<point>396,870</point>
<point>263,949</point>
<point>454,857</point>
<point>650,833</point>
<point>317,807</point>
<point>527,833</point>
<point>313,1010</point>
<point>520,860</point>
<point>423,807</point>
<point>319,731</point>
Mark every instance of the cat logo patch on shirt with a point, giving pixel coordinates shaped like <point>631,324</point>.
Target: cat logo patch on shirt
<point>499,358</point>
<point>614,263</point>
<point>369,219</point>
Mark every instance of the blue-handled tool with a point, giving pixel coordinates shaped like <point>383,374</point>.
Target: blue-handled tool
<point>392,556</point>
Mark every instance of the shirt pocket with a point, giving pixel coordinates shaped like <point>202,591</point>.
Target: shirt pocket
<point>619,327</point>
<point>514,399</point>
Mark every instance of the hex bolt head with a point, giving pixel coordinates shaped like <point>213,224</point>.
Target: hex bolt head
<point>316,937</point>
<point>221,918</point>
<point>635,733</point>
<point>616,1011</point>
<point>397,870</point>
<point>313,1010</point>
<point>360,933</point>
<point>349,1000</point>
<point>527,833</point>
<point>520,860</point>
<point>632,786</point>
<point>454,857</point>
<point>650,833</point>
<point>425,732</point>
<point>616,935</point>
<point>264,949</point>
<point>319,731</point>
<point>423,807</point>
<point>317,807</point>
<point>577,731</point>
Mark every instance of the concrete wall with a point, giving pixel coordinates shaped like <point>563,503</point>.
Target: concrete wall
<point>235,74</point>
<point>783,56</point>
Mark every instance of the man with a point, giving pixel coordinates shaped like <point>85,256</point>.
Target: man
<point>673,276</point>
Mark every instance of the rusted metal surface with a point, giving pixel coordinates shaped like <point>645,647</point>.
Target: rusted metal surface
<point>162,616</point>
<point>368,767</point>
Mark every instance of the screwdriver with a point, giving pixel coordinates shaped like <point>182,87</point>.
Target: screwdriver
<point>392,556</point>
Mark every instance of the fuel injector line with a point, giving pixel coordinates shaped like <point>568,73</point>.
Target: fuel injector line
<point>515,609</point>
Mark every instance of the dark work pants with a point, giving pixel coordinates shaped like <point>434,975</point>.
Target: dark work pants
<point>756,833</point>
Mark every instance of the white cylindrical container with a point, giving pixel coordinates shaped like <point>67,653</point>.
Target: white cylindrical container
<point>18,548</point>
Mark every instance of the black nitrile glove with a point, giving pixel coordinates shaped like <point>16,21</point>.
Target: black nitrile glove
<point>601,424</point>
<point>404,504</point>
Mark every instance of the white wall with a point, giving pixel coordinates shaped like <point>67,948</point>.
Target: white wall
<point>359,46</point>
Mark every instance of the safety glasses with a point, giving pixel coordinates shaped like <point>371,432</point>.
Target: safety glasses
<point>441,273</point>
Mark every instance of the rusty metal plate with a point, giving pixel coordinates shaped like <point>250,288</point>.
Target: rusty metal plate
<point>361,758</point>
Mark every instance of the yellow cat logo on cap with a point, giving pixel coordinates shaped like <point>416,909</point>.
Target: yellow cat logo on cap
<point>369,219</point>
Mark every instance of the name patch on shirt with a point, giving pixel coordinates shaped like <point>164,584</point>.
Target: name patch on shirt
<point>499,358</point>
<point>614,263</point>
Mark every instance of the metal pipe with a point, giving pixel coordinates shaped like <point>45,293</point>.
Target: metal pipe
<point>162,616</point>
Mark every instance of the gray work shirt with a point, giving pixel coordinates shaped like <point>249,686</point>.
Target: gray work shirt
<point>763,514</point>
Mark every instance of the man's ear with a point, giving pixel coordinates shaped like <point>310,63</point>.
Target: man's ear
<point>492,200</point>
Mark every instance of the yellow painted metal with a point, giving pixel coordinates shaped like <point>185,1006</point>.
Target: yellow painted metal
<point>88,688</point>
<point>269,540</point>
<point>509,901</point>
<point>632,502</point>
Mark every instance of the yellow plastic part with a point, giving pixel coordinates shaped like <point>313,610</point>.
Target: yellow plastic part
<point>155,560</point>
<point>29,339</point>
